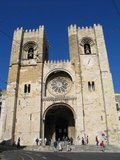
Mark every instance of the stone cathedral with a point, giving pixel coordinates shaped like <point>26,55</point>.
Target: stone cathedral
<point>56,99</point>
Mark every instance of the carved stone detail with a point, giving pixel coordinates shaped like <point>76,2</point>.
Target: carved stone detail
<point>59,85</point>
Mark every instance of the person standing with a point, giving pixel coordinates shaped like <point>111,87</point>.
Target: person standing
<point>40,141</point>
<point>45,141</point>
<point>97,141</point>
<point>37,141</point>
<point>71,140</point>
<point>83,142</point>
<point>78,140</point>
<point>18,143</point>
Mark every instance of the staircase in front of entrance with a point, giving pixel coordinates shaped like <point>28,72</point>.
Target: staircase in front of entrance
<point>74,148</point>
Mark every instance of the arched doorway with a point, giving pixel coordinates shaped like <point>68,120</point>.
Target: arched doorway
<point>59,122</point>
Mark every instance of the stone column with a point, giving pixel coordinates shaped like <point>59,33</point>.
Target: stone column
<point>43,130</point>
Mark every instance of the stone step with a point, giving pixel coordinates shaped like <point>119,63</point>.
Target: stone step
<point>74,148</point>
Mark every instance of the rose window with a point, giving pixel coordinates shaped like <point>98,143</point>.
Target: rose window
<point>59,85</point>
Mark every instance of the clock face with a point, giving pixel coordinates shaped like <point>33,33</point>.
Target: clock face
<point>59,85</point>
<point>88,61</point>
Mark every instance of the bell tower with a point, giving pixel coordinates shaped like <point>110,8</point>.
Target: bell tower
<point>29,51</point>
<point>94,86</point>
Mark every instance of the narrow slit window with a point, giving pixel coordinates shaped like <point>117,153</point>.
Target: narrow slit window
<point>25,88</point>
<point>117,107</point>
<point>89,86</point>
<point>101,118</point>
<point>93,86</point>
<point>28,88</point>
<point>30,116</point>
<point>0,110</point>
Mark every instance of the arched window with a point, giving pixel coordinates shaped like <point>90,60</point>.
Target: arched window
<point>30,53</point>
<point>87,43</point>
<point>87,48</point>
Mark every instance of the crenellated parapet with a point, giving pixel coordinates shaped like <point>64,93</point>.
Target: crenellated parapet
<point>41,28</point>
<point>56,61</point>
<point>73,29</point>
<point>30,32</point>
<point>55,64</point>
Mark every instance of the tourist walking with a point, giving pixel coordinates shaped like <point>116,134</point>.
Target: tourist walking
<point>59,146</point>
<point>68,145</point>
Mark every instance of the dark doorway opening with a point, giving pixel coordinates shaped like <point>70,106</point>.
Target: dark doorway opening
<point>59,123</point>
<point>61,130</point>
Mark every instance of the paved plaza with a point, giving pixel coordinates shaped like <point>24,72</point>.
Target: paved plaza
<point>30,155</point>
<point>86,152</point>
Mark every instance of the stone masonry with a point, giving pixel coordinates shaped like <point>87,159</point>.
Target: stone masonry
<point>54,99</point>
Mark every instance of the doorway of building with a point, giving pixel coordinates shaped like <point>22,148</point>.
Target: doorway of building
<point>59,123</point>
<point>61,129</point>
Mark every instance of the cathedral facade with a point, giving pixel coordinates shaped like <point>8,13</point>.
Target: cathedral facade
<point>57,99</point>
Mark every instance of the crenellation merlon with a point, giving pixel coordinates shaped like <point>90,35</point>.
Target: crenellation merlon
<point>98,29</point>
<point>90,27</point>
<point>17,33</point>
<point>72,29</point>
<point>19,29</point>
<point>97,25</point>
<point>36,30</point>
<point>41,27</point>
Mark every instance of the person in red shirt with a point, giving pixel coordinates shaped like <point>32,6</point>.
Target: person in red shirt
<point>102,146</point>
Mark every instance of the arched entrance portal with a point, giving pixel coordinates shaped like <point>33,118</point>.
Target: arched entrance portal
<point>59,123</point>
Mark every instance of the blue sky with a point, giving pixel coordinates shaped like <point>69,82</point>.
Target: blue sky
<point>56,16</point>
